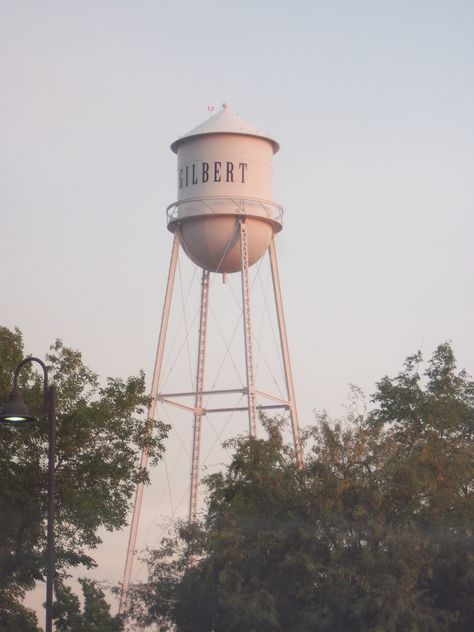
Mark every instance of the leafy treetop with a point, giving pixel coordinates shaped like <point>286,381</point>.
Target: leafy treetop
<point>374,534</point>
<point>100,435</point>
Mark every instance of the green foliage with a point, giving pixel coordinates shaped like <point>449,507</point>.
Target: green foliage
<point>95,615</point>
<point>374,534</point>
<point>15,617</point>
<point>100,435</point>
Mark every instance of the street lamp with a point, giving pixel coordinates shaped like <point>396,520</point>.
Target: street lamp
<point>15,411</point>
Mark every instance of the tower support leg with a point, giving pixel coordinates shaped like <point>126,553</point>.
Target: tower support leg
<point>251,398</point>
<point>285,353</point>
<point>199,396</point>
<point>150,417</point>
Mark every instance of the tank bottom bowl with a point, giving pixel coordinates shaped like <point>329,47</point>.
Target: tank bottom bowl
<point>213,242</point>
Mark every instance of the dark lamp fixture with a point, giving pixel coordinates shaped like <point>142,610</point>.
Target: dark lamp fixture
<point>15,410</point>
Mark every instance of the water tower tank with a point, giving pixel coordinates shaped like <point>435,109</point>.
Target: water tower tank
<point>224,174</point>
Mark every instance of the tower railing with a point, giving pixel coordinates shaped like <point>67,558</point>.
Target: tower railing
<point>253,207</point>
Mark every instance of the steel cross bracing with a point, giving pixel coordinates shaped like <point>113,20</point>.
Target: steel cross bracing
<point>199,395</point>
<point>244,260</point>
<point>197,410</point>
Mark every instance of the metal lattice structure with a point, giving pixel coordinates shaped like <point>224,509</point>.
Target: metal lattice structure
<point>224,221</point>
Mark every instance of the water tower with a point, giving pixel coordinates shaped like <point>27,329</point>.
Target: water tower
<point>225,221</point>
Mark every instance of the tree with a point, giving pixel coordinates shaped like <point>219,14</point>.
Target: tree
<point>95,616</point>
<point>100,435</point>
<point>373,534</point>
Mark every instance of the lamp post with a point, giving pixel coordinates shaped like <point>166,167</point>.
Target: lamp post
<point>16,412</point>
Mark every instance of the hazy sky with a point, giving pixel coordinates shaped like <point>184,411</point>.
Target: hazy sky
<point>372,104</point>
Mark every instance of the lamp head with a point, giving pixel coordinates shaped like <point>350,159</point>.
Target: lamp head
<point>15,410</point>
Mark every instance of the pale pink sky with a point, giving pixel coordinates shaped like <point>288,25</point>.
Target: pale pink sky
<point>372,104</point>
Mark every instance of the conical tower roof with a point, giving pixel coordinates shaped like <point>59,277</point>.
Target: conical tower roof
<point>224,122</point>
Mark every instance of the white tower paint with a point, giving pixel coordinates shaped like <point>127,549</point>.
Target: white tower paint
<point>225,221</point>
<point>224,172</point>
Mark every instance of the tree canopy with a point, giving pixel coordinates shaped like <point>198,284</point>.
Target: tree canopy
<point>100,435</point>
<point>95,615</point>
<point>373,534</point>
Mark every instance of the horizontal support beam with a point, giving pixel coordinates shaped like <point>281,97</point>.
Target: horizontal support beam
<point>285,402</point>
<point>225,410</point>
<point>205,411</point>
<point>190,409</point>
<point>243,391</point>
